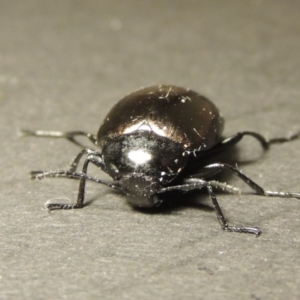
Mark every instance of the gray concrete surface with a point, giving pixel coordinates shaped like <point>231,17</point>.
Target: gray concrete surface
<point>62,66</point>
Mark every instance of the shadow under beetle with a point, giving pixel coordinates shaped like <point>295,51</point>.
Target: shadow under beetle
<point>149,144</point>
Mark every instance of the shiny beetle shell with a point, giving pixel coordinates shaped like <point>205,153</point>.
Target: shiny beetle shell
<point>146,136</point>
<point>178,114</point>
<point>153,142</point>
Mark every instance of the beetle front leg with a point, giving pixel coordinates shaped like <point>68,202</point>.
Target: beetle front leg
<point>73,166</point>
<point>81,191</point>
<point>98,162</point>
<point>93,158</point>
<point>197,183</point>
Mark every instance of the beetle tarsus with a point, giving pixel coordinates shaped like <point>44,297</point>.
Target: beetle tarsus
<point>293,137</point>
<point>57,206</point>
<point>252,230</point>
<point>282,194</point>
<point>35,174</point>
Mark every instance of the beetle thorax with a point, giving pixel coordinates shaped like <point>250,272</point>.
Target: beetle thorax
<point>143,154</point>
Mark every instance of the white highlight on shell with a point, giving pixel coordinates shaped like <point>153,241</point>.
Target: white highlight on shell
<point>139,157</point>
<point>146,126</point>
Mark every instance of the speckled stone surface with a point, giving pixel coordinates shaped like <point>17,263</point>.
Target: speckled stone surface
<point>63,64</point>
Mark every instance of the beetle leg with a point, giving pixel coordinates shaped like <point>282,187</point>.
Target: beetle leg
<point>223,221</point>
<point>77,159</point>
<point>57,134</point>
<point>233,140</point>
<point>284,139</point>
<point>258,189</point>
<point>197,183</point>
<point>92,158</point>
<point>86,151</point>
<point>205,173</point>
<point>73,166</point>
<point>81,193</point>
<point>225,187</point>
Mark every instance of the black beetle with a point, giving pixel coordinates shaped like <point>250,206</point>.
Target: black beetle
<point>149,144</point>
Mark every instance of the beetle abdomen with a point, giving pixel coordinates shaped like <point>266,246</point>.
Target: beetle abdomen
<point>178,114</point>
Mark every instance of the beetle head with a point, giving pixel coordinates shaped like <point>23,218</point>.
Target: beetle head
<point>141,190</point>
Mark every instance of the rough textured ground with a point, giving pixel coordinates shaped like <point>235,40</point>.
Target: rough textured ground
<point>62,66</point>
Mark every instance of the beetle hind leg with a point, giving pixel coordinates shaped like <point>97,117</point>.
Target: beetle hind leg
<point>71,135</point>
<point>236,138</point>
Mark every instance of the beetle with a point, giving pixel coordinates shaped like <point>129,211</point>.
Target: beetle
<point>149,144</point>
